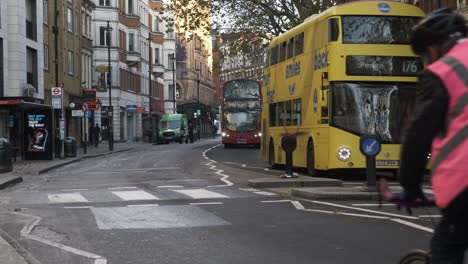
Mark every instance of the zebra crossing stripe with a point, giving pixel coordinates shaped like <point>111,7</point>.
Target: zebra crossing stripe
<point>66,198</point>
<point>201,194</point>
<point>135,195</point>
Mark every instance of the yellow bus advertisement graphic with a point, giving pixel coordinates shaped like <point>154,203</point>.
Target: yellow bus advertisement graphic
<point>344,73</point>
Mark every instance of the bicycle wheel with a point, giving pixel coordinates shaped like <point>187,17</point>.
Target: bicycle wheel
<point>416,257</point>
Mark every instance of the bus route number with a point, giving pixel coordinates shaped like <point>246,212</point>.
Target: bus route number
<point>410,66</point>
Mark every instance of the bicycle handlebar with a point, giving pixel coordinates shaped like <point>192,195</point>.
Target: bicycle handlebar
<point>398,198</point>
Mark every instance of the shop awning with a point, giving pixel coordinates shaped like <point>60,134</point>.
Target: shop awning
<point>23,104</point>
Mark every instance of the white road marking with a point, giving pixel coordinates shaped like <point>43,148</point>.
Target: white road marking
<point>66,198</point>
<point>298,205</point>
<point>266,169</point>
<point>26,232</point>
<point>410,224</point>
<point>244,165</point>
<point>78,207</point>
<point>206,203</point>
<point>201,194</point>
<point>224,177</point>
<point>249,190</point>
<point>74,190</point>
<point>266,193</point>
<point>362,209</point>
<point>370,205</point>
<point>276,201</point>
<point>135,195</point>
<point>319,211</point>
<point>142,205</point>
<point>429,216</point>
<point>363,215</point>
<point>123,187</point>
<point>171,186</point>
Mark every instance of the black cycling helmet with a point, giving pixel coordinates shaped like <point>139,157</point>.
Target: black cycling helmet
<point>436,29</point>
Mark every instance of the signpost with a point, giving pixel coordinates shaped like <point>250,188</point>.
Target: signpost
<point>370,147</point>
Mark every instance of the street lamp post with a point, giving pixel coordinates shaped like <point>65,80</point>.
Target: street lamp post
<point>150,88</point>
<point>173,58</point>
<point>198,102</point>
<point>109,80</point>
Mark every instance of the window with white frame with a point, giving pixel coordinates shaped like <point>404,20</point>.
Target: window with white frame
<point>131,42</point>
<point>156,24</point>
<point>104,2</point>
<point>46,57</point>
<point>70,19</point>
<point>71,63</point>
<point>104,36</point>
<point>45,10</point>
<point>156,56</point>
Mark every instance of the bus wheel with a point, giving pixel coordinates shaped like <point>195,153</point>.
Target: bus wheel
<point>311,159</point>
<point>271,155</point>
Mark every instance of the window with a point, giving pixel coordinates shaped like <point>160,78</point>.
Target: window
<point>156,56</point>
<point>71,63</point>
<point>290,48</point>
<point>296,114</point>
<point>104,36</point>
<point>299,44</point>
<point>282,52</point>
<point>170,61</point>
<point>31,66</point>
<point>333,30</point>
<point>274,55</point>
<point>104,2</point>
<point>273,115</point>
<point>156,24</point>
<point>31,19</point>
<point>70,20</point>
<point>46,57</point>
<point>131,42</point>
<point>45,10</point>
<point>171,92</point>
<point>130,6</point>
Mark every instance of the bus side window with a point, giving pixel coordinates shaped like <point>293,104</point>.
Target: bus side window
<point>299,44</point>
<point>282,52</point>
<point>333,30</point>
<point>273,114</point>
<point>266,63</point>
<point>297,112</point>
<point>281,114</point>
<point>274,55</point>
<point>288,113</point>
<point>290,48</point>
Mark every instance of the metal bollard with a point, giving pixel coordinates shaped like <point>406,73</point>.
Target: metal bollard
<point>289,144</point>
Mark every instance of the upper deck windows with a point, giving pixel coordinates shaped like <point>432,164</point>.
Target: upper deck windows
<point>377,29</point>
<point>286,50</point>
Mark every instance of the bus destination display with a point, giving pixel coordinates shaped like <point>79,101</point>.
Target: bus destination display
<point>383,66</point>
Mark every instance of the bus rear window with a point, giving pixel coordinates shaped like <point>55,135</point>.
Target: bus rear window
<point>377,29</point>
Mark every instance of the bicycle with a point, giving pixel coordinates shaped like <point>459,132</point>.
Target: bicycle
<point>414,256</point>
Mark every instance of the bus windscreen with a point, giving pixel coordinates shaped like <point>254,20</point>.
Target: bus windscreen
<point>377,29</point>
<point>242,89</point>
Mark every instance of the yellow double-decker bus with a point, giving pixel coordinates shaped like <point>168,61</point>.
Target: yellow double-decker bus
<point>344,73</point>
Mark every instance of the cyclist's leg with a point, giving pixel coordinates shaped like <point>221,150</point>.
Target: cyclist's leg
<point>450,238</point>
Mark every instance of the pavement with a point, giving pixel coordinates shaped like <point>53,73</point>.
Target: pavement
<point>8,254</point>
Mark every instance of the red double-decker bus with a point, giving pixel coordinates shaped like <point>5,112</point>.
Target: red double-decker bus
<point>241,109</point>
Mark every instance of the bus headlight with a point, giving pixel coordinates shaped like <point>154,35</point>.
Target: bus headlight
<point>224,134</point>
<point>258,135</point>
<point>344,154</point>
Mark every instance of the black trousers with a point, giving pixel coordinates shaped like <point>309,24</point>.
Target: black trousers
<point>450,240</point>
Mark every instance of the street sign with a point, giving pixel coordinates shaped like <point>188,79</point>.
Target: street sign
<point>88,114</point>
<point>131,108</point>
<point>56,93</point>
<point>140,110</point>
<point>77,113</point>
<point>370,146</point>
